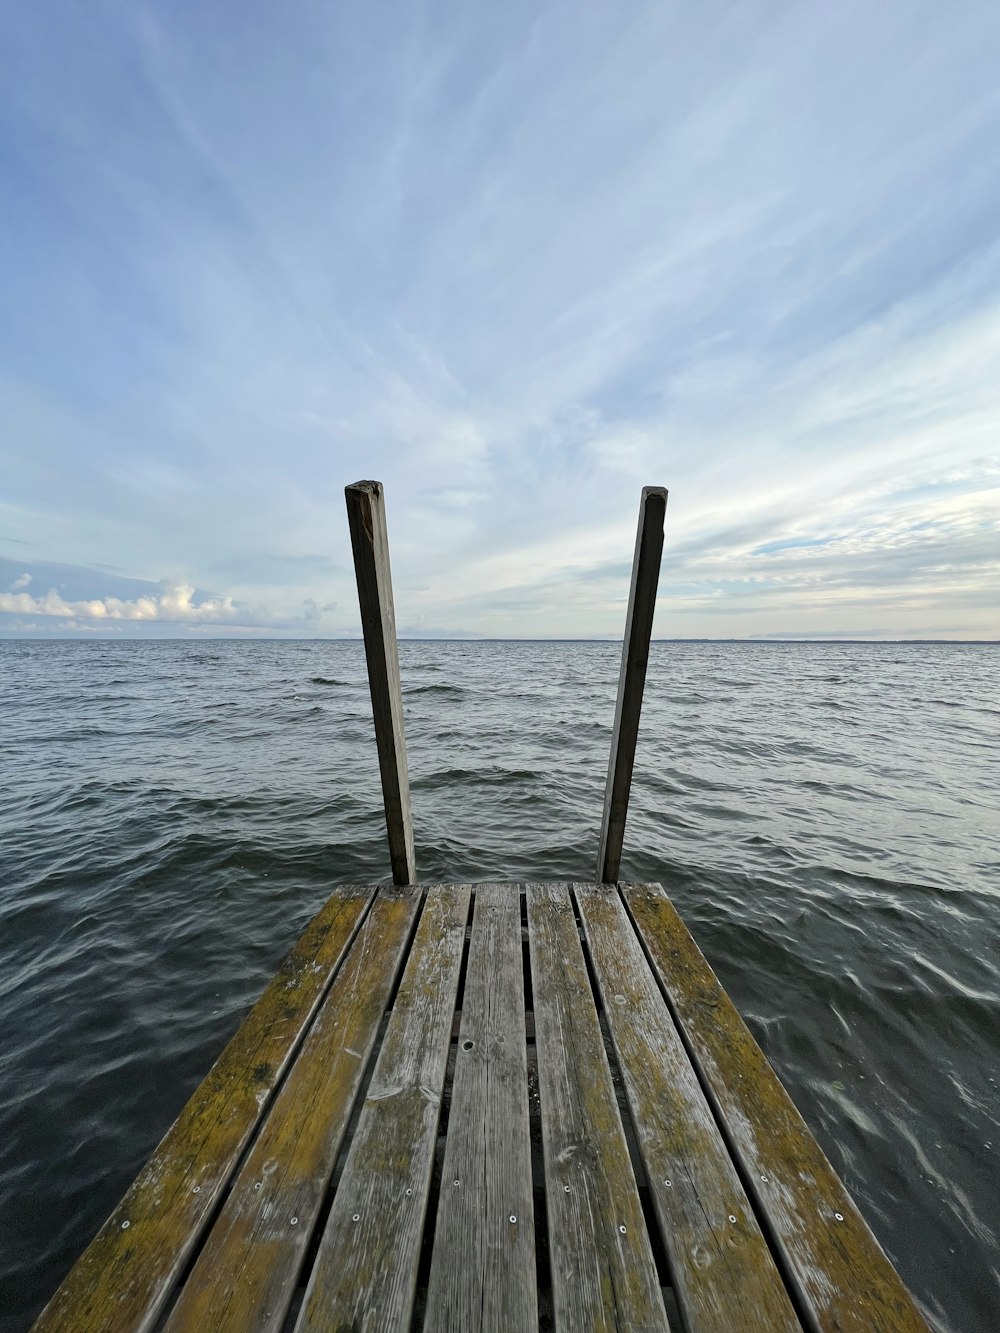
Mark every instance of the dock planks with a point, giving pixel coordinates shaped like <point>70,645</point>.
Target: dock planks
<point>333,1172</point>
<point>843,1280</point>
<point>122,1279</point>
<point>247,1270</point>
<point>486,1178</point>
<point>603,1272</point>
<point>365,1274</point>
<point>717,1253</point>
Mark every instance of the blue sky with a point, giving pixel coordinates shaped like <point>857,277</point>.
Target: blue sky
<point>516,262</point>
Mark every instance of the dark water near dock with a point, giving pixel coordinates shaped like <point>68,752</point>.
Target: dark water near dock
<point>824,816</point>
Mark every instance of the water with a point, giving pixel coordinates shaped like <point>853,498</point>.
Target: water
<point>173,814</point>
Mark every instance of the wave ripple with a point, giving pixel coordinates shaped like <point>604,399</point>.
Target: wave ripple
<point>823,814</point>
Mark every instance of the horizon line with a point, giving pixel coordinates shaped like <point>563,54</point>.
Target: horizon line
<point>347,638</point>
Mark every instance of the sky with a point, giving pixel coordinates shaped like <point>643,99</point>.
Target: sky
<point>516,262</point>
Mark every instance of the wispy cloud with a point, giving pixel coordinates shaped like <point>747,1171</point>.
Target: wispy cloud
<point>515,266</point>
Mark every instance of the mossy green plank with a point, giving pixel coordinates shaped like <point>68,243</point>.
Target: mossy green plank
<point>122,1279</point>
<point>724,1277</point>
<point>246,1272</point>
<point>843,1280</point>
<point>365,1273</point>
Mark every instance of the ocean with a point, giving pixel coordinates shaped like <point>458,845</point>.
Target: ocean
<point>824,815</point>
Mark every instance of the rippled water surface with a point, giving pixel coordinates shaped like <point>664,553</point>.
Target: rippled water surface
<point>823,815</point>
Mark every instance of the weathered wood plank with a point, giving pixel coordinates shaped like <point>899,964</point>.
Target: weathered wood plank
<point>723,1275</point>
<point>366,1270</point>
<point>122,1279</point>
<point>632,678</point>
<point>370,543</point>
<point>842,1278</point>
<point>483,1265</point>
<point>603,1274</point>
<point>246,1273</point>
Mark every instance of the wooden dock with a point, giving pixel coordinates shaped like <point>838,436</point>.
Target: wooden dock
<point>492,1107</point>
<point>489,1107</point>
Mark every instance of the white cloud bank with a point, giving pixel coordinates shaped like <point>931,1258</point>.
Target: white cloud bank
<point>173,604</point>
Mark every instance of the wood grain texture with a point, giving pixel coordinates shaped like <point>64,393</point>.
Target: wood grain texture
<point>122,1279</point>
<point>842,1278</point>
<point>632,679</point>
<point>603,1274</point>
<point>366,1268</point>
<point>245,1275</point>
<point>483,1266</point>
<point>723,1275</point>
<point>370,544</point>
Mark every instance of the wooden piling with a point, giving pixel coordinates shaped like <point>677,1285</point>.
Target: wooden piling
<point>635,656</point>
<point>370,542</point>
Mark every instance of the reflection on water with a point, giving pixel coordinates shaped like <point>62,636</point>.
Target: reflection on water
<point>174,813</point>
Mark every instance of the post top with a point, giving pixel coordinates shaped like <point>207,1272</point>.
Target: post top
<point>368,487</point>
<point>647,491</point>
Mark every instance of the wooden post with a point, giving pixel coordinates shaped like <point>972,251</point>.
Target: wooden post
<point>635,656</point>
<point>370,541</point>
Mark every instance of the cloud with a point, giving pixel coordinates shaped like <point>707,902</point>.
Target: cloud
<point>20,582</point>
<point>173,604</point>
<point>514,266</point>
